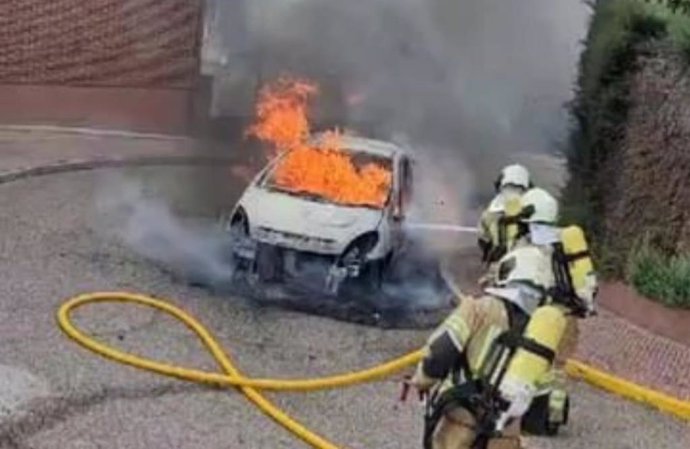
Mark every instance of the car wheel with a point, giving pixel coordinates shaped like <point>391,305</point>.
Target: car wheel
<point>370,279</point>
<point>338,280</point>
<point>351,271</point>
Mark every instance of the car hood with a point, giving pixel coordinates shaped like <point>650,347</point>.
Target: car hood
<point>297,216</point>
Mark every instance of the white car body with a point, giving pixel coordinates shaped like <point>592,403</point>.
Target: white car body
<point>313,226</point>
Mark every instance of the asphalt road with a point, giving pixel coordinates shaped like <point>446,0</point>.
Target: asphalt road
<point>55,242</point>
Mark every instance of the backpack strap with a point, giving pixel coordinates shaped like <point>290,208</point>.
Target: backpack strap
<point>564,291</point>
<point>576,256</point>
<point>515,340</point>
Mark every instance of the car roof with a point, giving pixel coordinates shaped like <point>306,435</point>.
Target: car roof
<point>372,146</point>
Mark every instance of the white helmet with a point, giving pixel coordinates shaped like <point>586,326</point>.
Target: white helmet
<point>524,278</point>
<point>514,175</point>
<point>539,206</point>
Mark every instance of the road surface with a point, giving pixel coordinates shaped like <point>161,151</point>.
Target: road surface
<point>56,241</point>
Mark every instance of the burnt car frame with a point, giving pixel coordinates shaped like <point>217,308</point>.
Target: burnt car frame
<point>278,233</point>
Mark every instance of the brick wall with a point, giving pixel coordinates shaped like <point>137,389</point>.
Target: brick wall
<point>115,43</point>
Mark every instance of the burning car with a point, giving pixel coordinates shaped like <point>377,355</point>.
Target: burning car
<point>337,201</point>
<point>331,200</point>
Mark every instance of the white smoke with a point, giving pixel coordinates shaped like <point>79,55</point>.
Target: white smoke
<point>196,250</point>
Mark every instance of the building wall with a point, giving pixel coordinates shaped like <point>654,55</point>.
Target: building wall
<point>72,61</point>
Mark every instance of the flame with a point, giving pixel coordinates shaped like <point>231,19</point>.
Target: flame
<point>325,170</point>
<point>282,113</point>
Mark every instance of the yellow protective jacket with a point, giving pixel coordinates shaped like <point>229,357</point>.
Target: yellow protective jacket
<point>489,228</point>
<point>488,221</point>
<point>469,330</point>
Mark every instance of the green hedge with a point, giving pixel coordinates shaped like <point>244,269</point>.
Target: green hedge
<point>676,17</point>
<point>600,109</point>
<point>681,6</point>
<point>660,277</point>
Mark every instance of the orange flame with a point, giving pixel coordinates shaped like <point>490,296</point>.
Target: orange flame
<point>282,113</point>
<point>325,170</point>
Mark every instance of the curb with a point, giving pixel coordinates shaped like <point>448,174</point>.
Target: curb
<point>628,390</point>
<point>93,132</point>
<point>93,164</point>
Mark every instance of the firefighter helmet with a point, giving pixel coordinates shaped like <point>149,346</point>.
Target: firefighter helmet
<point>514,175</point>
<point>539,206</point>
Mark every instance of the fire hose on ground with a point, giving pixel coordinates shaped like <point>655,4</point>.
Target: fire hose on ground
<point>231,377</point>
<point>250,387</point>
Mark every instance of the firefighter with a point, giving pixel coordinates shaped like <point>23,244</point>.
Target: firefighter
<point>534,221</point>
<point>511,183</point>
<point>538,228</point>
<point>456,353</point>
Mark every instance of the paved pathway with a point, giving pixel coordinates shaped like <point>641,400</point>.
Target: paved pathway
<point>22,148</point>
<point>617,346</point>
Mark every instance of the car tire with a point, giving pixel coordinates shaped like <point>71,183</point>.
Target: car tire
<point>353,285</point>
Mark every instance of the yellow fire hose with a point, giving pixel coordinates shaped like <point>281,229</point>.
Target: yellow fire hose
<point>233,377</point>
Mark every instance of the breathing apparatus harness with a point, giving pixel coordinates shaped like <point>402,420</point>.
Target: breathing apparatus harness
<point>480,395</point>
<point>571,261</point>
<point>563,259</point>
<point>563,291</point>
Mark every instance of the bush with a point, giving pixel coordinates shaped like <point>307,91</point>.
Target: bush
<point>619,29</point>
<point>600,110</point>
<point>677,19</point>
<point>659,277</point>
<point>682,6</point>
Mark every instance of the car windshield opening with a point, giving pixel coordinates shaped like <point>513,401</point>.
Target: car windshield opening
<point>343,177</point>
